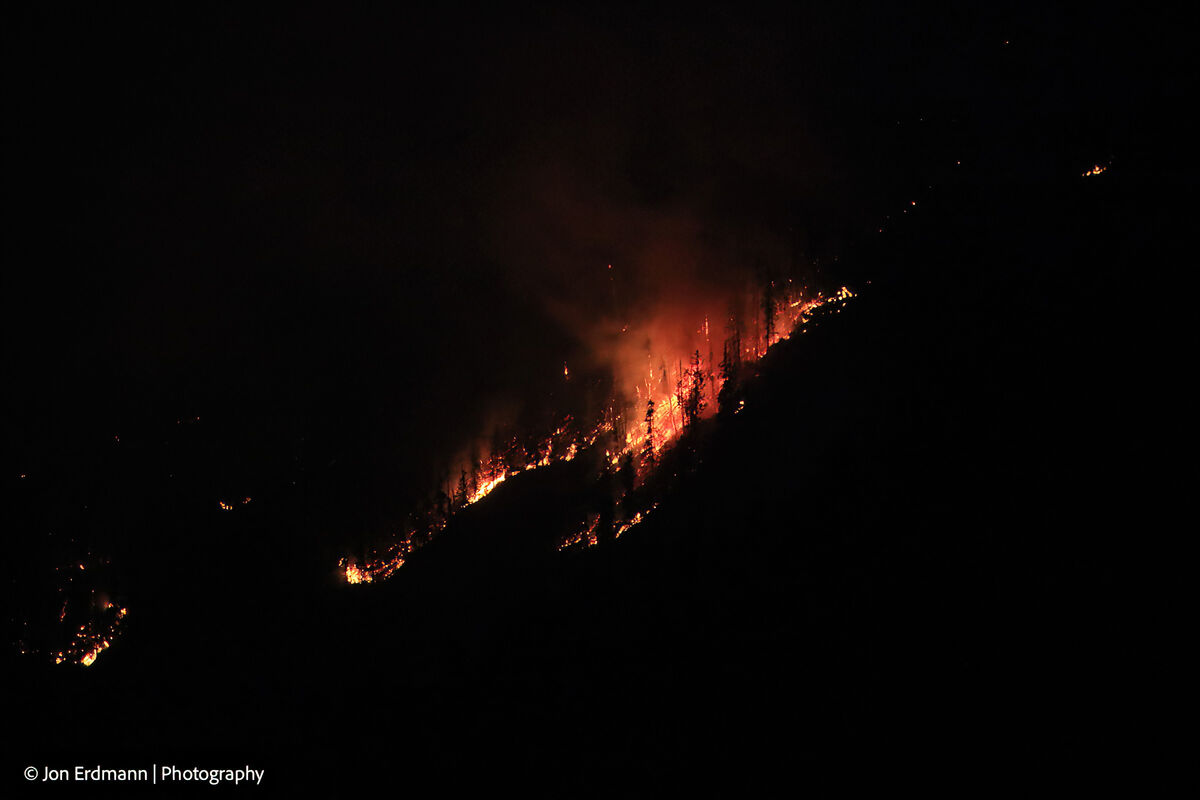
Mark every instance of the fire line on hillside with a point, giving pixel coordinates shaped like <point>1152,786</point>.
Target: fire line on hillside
<point>644,418</point>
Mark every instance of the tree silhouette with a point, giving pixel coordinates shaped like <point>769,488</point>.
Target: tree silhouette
<point>625,479</point>
<point>648,445</point>
<point>461,493</point>
<point>693,402</point>
<point>729,375</point>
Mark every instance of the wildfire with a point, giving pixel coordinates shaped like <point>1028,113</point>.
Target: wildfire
<point>664,397</point>
<point>1095,170</point>
<point>633,521</point>
<point>90,657</point>
<point>87,621</point>
<point>92,638</point>
<point>586,536</point>
<point>381,566</point>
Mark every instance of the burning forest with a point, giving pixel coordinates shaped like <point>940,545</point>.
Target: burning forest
<point>648,398</point>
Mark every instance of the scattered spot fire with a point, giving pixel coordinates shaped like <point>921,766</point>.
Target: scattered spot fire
<point>87,621</point>
<point>586,536</point>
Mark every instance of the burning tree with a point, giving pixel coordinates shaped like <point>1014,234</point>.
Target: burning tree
<point>462,493</point>
<point>648,445</point>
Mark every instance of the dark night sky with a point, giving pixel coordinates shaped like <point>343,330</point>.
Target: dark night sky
<point>385,226</point>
